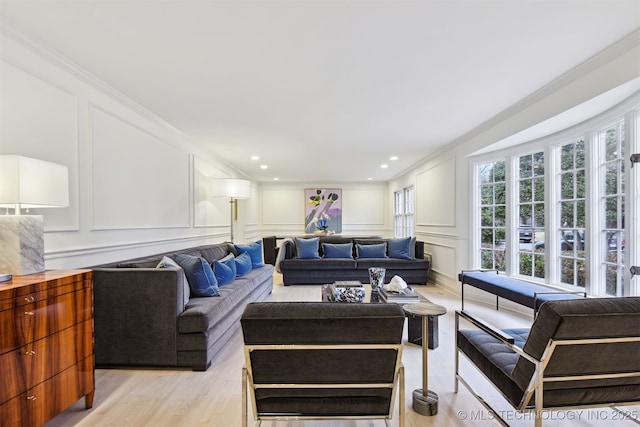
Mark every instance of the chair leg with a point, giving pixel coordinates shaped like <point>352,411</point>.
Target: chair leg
<point>401,404</point>
<point>244,396</point>
<point>457,355</point>
<point>539,401</point>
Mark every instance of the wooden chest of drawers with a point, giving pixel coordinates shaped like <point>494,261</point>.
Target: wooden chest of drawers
<point>46,345</point>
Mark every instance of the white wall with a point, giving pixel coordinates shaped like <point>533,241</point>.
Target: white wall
<point>137,186</point>
<point>443,183</point>
<point>366,209</point>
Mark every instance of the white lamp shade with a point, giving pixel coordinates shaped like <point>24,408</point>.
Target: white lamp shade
<point>32,183</point>
<point>234,188</point>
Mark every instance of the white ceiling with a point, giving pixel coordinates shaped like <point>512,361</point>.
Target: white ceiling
<point>325,90</point>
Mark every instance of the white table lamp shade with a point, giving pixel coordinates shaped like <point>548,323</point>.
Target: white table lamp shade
<point>32,183</point>
<point>27,183</point>
<point>234,188</point>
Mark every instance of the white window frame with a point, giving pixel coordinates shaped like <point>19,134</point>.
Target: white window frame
<point>403,215</point>
<point>588,131</point>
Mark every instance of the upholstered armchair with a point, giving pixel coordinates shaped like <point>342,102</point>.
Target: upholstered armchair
<point>307,360</point>
<point>577,353</point>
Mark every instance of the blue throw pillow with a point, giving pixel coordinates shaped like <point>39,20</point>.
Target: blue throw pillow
<point>307,248</point>
<point>337,250</point>
<point>371,251</point>
<point>243,264</point>
<point>225,269</point>
<point>400,248</point>
<point>255,252</point>
<point>199,274</point>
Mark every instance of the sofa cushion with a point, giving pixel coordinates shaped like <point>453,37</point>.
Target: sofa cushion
<point>393,263</point>
<point>243,264</point>
<point>255,252</point>
<point>495,359</point>
<point>167,262</point>
<point>307,248</point>
<point>331,264</point>
<point>337,250</point>
<point>204,314</point>
<point>400,248</point>
<point>371,251</point>
<point>225,270</point>
<point>213,252</point>
<point>199,274</point>
<point>151,262</point>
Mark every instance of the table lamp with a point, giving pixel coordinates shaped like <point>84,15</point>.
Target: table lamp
<point>234,189</point>
<point>27,183</point>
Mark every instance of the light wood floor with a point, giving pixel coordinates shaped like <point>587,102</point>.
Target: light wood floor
<point>170,397</point>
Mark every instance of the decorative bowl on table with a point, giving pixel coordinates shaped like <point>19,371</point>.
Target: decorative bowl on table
<point>342,292</point>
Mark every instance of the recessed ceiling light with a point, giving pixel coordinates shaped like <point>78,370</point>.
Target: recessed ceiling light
<point>263,166</point>
<point>393,158</point>
<point>384,166</point>
<point>255,158</point>
<point>369,179</point>
<point>276,179</point>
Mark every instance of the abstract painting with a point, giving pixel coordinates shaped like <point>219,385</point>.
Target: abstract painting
<point>323,210</point>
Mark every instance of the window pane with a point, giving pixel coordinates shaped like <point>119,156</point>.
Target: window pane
<point>492,198</point>
<point>611,142</point>
<point>486,195</point>
<point>566,214</point>
<point>538,189</point>
<point>531,230</point>
<point>526,167</point>
<point>526,191</point>
<point>566,157</point>
<point>486,215</point>
<point>566,185</point>
<point>580,184</point>
<point>500,194</point>
<point>580,155</point>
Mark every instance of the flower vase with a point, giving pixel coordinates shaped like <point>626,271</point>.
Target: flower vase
<point>320,233</point>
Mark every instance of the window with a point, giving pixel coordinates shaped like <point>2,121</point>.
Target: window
<point>398,213</point>
<point>531,213</point>
<point>571,233</point>
<point>403,212</point>
<point>557,209</point>
<point>611,144</point>
<point>493,215</point>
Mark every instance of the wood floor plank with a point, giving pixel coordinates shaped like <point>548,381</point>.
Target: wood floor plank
<point>182,398</point>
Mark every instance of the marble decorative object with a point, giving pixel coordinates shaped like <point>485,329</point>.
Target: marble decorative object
<point>21,244</point>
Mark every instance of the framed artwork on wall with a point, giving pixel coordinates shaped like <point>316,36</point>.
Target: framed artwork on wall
<point>323,210</point>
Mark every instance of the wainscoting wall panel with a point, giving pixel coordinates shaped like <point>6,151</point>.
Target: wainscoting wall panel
<point>282,206</point>
<point>39,119</point>
<point>139,181</point>
<point>435,195</point>
<point>209,211</point>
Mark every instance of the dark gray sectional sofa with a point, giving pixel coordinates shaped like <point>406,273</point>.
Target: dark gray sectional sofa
<point>143,315</point>
<point>328,270</point>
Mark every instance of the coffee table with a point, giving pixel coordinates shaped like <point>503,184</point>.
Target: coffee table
<point>414,323</point>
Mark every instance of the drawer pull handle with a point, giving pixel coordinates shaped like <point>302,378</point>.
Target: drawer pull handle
<point>29,299</point>
<point>30,353</point>
<point>31,398</point>
<point>29,313</point>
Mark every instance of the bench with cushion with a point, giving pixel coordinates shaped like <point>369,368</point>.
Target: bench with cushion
<point>529,294</point>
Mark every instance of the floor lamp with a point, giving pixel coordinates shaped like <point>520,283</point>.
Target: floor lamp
<point>27,183</point>
<point>234,189</point>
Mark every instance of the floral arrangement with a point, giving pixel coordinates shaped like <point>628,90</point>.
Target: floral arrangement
<point>322,223</point>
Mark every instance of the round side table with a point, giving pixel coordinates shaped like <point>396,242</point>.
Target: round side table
<point>425,401</point>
